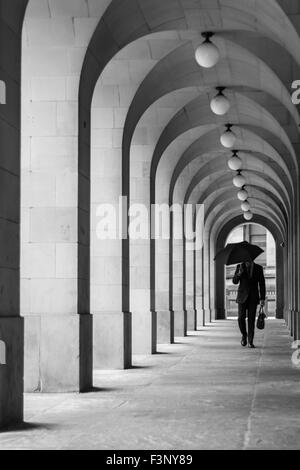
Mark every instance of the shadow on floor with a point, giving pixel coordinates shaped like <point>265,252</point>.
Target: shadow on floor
<point>101,389</point>
<point>29,427</point>
<point>141,367</point>
<point>228,345</point>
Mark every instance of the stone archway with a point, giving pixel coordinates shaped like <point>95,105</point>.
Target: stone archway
<point>280,261</point>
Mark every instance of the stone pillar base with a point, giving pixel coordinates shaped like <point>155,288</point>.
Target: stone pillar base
<point>289,320</point>
<point>11,370</point>
<point>286,317</point>
<point>165,327</point>
<point>191,320</point>
<point>207,315</point>
<point>58,353</point>
<point>200,318</point>
<point>213,314</point>
<point>112,340</point>
<point>180,323</point>
<point>144,332</point>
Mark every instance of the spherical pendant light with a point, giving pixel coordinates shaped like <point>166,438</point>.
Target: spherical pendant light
<point>235,163</point>
<point>239,180</point>
<point>243,195</point>
<point>248,215</point>
<point>228,139</point>
<point>220,105</point>
<point>245,206</point>
<point>207,54</point>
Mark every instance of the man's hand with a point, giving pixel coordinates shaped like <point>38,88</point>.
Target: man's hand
<point>240,269</point>
<point>262,303</point>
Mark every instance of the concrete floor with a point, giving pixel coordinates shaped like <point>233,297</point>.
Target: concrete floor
<point>204,392</point>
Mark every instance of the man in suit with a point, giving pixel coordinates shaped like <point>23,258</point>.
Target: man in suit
<point>251,292</point>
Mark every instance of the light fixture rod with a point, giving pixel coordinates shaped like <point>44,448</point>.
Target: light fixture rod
<point>207,35</point>
<point>220,89</point>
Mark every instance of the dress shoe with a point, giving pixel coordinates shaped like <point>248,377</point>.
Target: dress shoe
<point>251,346</point>
<point>244,341</point>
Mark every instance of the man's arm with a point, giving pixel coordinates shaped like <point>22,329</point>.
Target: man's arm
<point>237,275</point>
<point>262,286</point>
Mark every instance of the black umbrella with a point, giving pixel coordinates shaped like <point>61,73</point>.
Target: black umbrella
<point>235,253</point>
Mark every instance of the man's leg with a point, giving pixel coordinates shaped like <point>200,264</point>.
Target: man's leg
<point>242,319</point>
<point>251,321</point>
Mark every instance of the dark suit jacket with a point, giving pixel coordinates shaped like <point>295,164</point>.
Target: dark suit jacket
<point>248,286</point>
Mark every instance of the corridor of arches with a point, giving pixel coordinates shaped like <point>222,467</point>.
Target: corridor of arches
<point>104,113</point>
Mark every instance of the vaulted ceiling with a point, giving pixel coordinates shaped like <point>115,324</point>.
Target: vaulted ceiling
<point>260,57</point>
<point>259,47</point>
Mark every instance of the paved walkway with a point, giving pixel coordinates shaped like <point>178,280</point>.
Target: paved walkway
<point>205,392</point>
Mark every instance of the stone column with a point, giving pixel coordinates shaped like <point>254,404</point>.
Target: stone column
<point>165,316</point>
<point>143,318</point>
<point>189,283</point>
<point>180,315</point>
<point>178,253</point>
<point>206,281</point>
<point>189,267</point>
<point>55,203</point>
<point>11,324</point>
<point>142,306</point>
<point>279,280</point>
<point>199,287</point>
<point>109,276</point>
<point>212,280</point>
<point>162,272</point>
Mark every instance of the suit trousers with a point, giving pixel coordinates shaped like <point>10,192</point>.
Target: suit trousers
<point>248,309</point>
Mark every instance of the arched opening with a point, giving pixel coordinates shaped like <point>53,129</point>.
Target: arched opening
<point>281,263</point>
<point>257,235</point>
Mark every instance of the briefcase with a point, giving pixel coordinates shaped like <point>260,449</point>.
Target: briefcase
<point>261,318</point>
